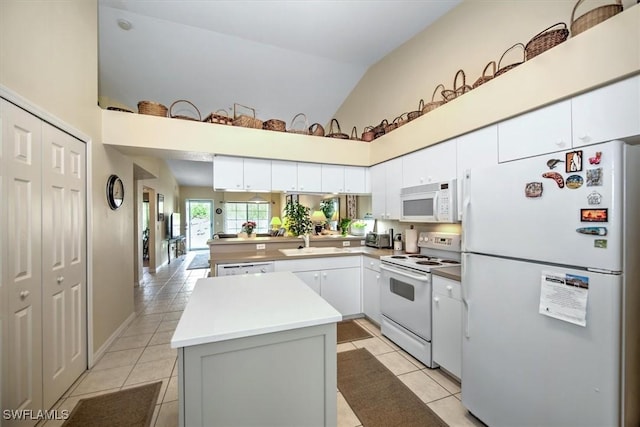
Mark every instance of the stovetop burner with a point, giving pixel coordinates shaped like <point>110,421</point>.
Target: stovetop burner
<point>398,257</point>
<point>449,261</point>
<point>419,256</point>
<point>428,263</point>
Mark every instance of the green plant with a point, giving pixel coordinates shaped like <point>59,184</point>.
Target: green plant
<point>328,208</point>
<point>344,225</point>
<point>297,219</point>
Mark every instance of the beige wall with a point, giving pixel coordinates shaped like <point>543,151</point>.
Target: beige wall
<point>48,55</point>
<point>470,36</point>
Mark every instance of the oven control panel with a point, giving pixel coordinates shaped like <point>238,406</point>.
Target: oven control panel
<point>435,240</point>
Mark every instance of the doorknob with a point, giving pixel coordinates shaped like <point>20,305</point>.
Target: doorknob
<point>59,279</point>
<point>24,294</point>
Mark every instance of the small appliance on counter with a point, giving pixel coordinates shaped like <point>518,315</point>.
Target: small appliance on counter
<point>411,241</point>
<point>397,243</point>
<point>378,240</point>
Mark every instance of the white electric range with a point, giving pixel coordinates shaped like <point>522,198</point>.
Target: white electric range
<point>405,294</point>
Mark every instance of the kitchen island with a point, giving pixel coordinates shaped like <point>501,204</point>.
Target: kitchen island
<point>256,350</point>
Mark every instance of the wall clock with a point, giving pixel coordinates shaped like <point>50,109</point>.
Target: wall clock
<point>115,192</point>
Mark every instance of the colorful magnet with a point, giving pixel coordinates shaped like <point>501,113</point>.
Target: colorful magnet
<point>595,160</point>
<point>600,243</point>
<point>533,189</point>
<point>553,163</point>
<point>556,177</point>
<point>594,198</point>
<point>594,177</point>
<point>574,181</point>
<point>594,215</point>
<point>595,231</point>
<point>573,161</point>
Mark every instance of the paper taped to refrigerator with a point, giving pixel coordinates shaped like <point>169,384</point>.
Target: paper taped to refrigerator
<point>564,296</point>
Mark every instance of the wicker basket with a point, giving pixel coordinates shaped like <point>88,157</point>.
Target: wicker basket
<point>123,110</point>
<point>220,117</point>
<point>401,120</point>
<point>152,108</point>
<point>305,124</point>
<point>380,130</point>
<point>316,129</point>
<point>502,70</point>
<point>593,17</point>
<point>430,106</point>
<point>354,134</point>
<point>245,121</point>
<point>337,134</point>
<point>485,77</point>
<point>545,40</point>
<point>182,117</point>
<point>368,135</point>
<point>451,94</point>
<point>274,124</point>
<point>412,115</point>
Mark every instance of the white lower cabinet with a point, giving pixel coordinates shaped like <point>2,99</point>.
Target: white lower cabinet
<point>338,285</point>
<point>447,325</point>
<point>371,288</point>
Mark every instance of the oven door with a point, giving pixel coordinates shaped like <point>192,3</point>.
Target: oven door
<point>419,207</point>
<point>405,298</point>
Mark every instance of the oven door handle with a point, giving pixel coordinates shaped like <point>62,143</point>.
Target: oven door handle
<point>422,278</point>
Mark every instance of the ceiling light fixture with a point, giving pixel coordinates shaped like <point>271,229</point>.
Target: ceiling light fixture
<point>124,24</point>
<point>257,199</point>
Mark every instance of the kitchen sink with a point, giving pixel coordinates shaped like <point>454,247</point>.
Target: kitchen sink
<point>313,251</point>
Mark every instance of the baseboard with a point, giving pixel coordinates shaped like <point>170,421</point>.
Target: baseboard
<point>103,348</point>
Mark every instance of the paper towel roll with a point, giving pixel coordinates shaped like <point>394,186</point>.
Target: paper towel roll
<point>411,241</point>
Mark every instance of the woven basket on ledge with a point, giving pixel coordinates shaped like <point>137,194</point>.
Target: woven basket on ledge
<point>430,106</point>
<point>451,94</point>
<point>545,40</point>
<point>220,117</point>
<point>183,117</point>
<point>152,108</point>
<point>593,17</point>
<point>504,69</point>
<point>304,122</point>
<point>245,121</point>
<point>485,77</point>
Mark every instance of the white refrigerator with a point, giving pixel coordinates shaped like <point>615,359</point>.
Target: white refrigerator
<point>551,289</point>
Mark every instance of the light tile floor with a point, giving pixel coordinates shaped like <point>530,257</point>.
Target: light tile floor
<point>142,354</point>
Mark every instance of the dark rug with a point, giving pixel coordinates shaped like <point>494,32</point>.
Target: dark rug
<point>377,397</point>
<point>130,407</point>
<point>349,330</point>
<point>199,261</point>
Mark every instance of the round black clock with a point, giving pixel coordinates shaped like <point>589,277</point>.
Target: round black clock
<point>115,192</point>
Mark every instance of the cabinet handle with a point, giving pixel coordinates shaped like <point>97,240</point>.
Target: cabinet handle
<point>449,288</point>
<point>60,279</point>
<point>436,300</point>
<point>315,276</point>
<point>302,187</point>
<point>377,276</point>
<point>560,143</point>
<point>324,274</point>
<point>248,186</point>
<point>24,294</point>
<point>584,138</point>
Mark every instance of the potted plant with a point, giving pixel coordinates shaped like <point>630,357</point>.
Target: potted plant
<point>247,229</point>
<point>297,219</point>
<point>344,225</point>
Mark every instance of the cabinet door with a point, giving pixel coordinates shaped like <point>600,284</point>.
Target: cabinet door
<point>355,180</point>
<point>542,131</point>
<point>378,179</point>
<point>311,278</point>
<point>284,175</point>
<point>414,170</point>
<point>394,183</point>
<point>475,150</point>
<point>611,112</point>
<point>309,177</point>
<point>332,178</point>
<point>228,173</point>
<point>447,325</point>
<point>371,294</point>
<point>257,175</point>
<point>341,288</point>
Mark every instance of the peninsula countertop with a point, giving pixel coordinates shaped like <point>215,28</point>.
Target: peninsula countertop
<point>229,307</point>
<point>275,254</point>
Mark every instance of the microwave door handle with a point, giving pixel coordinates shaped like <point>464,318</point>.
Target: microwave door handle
<point>436,213</point>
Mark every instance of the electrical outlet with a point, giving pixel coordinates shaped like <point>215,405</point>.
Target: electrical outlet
<point>362,243</point>
<point>260,246</point>
<point>346,243</point>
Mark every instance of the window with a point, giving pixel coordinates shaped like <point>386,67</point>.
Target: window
<point>237,213</point>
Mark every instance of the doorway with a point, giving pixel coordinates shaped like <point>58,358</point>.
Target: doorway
<point>199,225</point>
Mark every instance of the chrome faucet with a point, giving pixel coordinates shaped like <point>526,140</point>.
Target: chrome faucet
<point>305,237</point>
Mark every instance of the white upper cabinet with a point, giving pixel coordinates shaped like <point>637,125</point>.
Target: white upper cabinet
<point>435,163</point>
<point>541,131</point>
<point>355,180</point>
<point>332,179</point>
<point>386,181</point>
<point>241,174</point>
<point>309,177</point>
<point>611,112</point>
<point>284,175</point>
<point>474,150</point>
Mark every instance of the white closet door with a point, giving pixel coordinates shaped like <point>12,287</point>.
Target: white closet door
<point>21,182</point>
<point>63,262</point>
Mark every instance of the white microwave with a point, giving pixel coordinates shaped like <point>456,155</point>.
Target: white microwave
<point>429,202</point>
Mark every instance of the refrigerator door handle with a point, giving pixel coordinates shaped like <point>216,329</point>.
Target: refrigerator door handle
<point>466,204</point>
<point>464,296</point>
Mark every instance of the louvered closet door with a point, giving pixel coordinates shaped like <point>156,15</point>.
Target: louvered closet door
<point>63,262</point>
<point>21,275</point>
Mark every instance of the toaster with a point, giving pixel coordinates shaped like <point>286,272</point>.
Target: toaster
<point>378,240</point>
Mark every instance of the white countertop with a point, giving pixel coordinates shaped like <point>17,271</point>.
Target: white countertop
<point>229,307</point>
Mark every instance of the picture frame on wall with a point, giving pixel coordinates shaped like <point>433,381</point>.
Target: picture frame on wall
<point>160,207</point>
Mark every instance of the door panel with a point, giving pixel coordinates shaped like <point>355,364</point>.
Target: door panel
<point>63,263</point>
